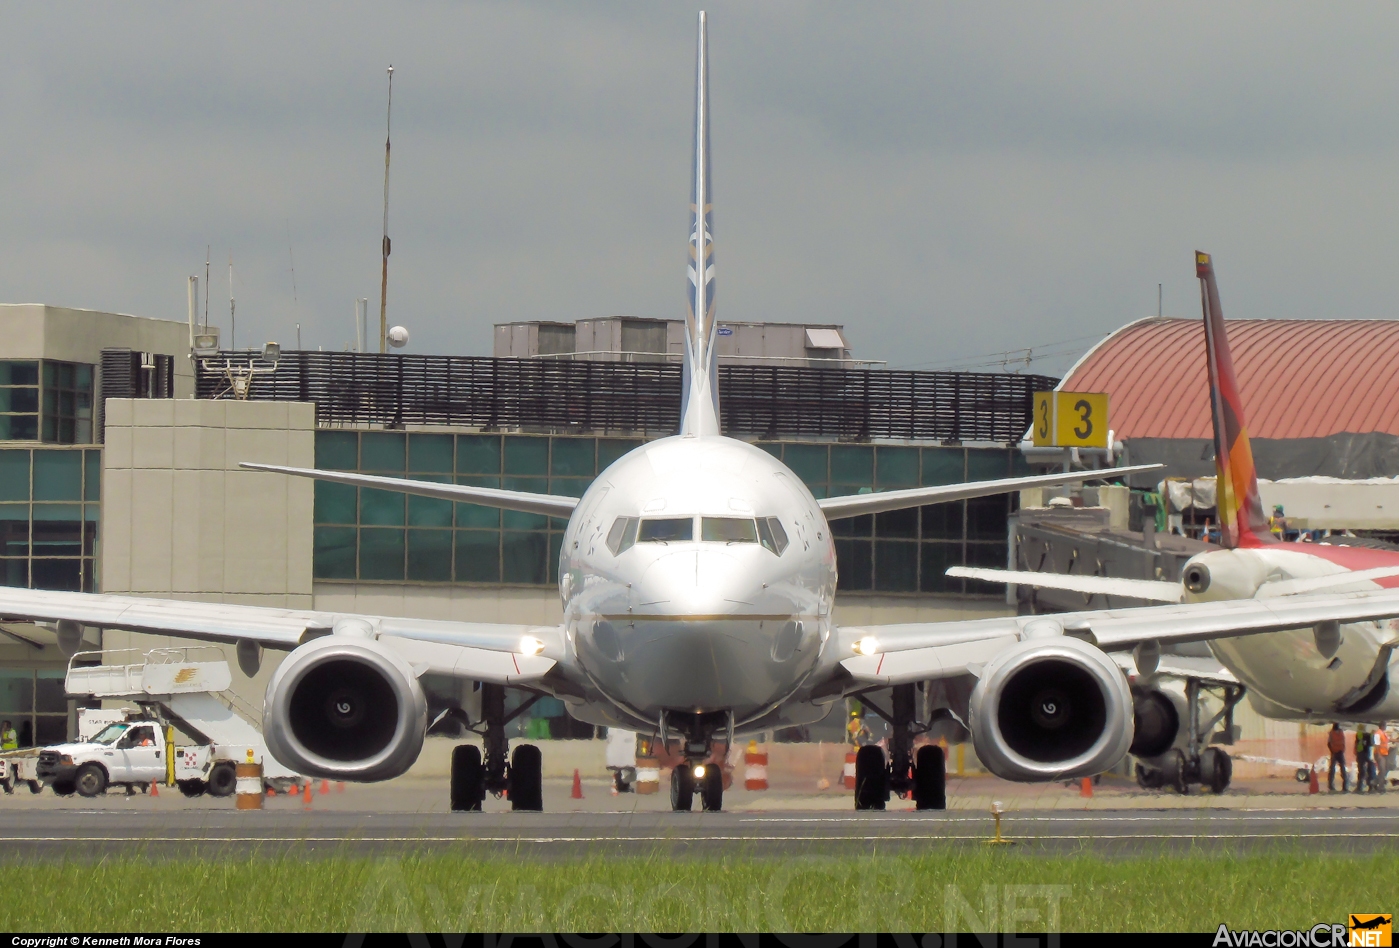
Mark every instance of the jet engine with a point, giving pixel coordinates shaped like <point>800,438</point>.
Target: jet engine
<point>345,708</point>
<point>1050,707</point>
<point>1157,717</point>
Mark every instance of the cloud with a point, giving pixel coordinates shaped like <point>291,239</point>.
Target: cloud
<point>946,180</point>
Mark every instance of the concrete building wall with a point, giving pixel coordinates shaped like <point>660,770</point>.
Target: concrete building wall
<point>38,331</point>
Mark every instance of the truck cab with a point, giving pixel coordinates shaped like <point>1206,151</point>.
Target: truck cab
<point>130,753</point>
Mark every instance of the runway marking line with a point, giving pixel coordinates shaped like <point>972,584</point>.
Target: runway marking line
<point>665,839</point>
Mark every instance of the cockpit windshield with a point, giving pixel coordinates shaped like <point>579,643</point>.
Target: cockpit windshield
<point>666,530</point>
<point>728,530</point>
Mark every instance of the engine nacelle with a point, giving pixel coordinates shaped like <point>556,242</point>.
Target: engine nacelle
<point>345,708</point>
<point>1050,708</point>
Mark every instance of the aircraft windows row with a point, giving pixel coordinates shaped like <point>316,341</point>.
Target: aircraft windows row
<point>627,531</point>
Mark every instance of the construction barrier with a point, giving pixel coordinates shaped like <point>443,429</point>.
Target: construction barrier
<point>755,770</point>
<point>648,775</point>
<point>849,775</point>
<point>249,786</point>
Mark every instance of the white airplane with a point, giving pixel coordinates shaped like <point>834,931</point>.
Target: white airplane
<point>1339,666</point>
<point>698,578</point>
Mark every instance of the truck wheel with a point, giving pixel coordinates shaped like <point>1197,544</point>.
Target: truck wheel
<point>191,788</point>
<point>64,788</point>
<point>36,787</point>
<point>8,786</point>
<point>223,780</point>
<point>91,780</point>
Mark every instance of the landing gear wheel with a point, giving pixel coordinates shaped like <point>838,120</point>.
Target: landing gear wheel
<point>223,780</point>
<point>90,780</point>
<point>1148,777</point>
<point>929,778</point>
<point>1216,769</point>
<point>712,789</point>
<point>64,788</point>
<point>871,778</point>
<point>682,788</point>
<point>192,788</point>
<point>526,779</point>
<point>468,779</point>
<point>1174,771</point>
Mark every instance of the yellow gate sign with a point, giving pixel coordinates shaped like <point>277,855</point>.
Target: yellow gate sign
<point>1070,420</point>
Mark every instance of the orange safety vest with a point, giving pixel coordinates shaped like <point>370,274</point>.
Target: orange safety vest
<point>1336,742</point>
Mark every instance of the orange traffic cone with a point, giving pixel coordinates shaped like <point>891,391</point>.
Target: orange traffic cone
<point>577,785</point>
<point>1085,789</point>
<point>1314,784</point>
<point>325,787</point>
<point>306,796</point>
<point>155,789</point>
<point>271,792</point>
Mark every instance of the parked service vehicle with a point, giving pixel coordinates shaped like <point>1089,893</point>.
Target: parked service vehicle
<point>133,754</point>
<point>19,767</point>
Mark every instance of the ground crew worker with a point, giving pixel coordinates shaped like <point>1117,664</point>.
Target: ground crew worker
<point>1381,757</point>
<point>9,740</point>
<point>1336,744</point>
<point>1363,763</point>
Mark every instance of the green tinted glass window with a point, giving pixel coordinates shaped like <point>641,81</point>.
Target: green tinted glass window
<point>807,461</point>
<point>854,561</point>
<point>337,450</point>
<point>477,515</point>
<point>853,526</point>
<point>936,558</point>
<point>19,373</point>
<point>943,466</point>
<point>14,475</point>
<point>987,465</point>
<point>991,555</point>
<point>943,521</point>
<point>14,529</point>
<point>524,557</point>
<point>14,572</point>
<point>478,556</point>
<point>382,451</point>
<point>380,553</point>
<point>526,455</point>
<point>610,449</point>
<point>573,457</point>
<point>16,692</point>
<point>381,508</point>
<point>514,520</point>
<point>478,454</point>
<point>771,447</point>
<point>430,556</point>
<point>334,556</point>
<point>555,545</point>
<point>92,475</point>
<point>19,427</point>
<point>430,453</point>
<point>429,512</point>
<point>335,503</point>
<point>897,467</point>
<point>895,566</point>
<point>569,486</point>
<point>851,464</point>
<point>897,523</point>
<point>986,517</point>
<point>58,475</point>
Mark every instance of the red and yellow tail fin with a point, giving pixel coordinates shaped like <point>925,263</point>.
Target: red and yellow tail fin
<point>1242,520</point>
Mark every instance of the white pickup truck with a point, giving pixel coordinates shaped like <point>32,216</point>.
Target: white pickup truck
<point>132,754</point>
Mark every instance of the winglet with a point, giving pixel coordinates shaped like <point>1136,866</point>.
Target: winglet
<point>699,412</point>
<point>1242,520</point>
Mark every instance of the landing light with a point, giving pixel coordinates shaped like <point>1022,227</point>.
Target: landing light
<point>867,645</point>
<point>529,645</point>
<point>699,770</point>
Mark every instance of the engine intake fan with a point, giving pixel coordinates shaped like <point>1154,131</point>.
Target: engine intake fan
<point>1051,708</point>
<point>344,707</point>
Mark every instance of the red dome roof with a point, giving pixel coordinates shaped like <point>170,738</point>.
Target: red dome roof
<point>1299,378</point>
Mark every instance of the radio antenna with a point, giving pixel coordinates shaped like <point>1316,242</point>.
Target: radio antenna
<point>384,278</point>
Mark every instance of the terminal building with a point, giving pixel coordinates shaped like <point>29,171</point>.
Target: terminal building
<point>120,475</point>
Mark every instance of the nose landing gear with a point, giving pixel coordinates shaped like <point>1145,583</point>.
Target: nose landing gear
<point>698,773</point>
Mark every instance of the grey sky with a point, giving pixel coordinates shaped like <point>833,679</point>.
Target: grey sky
<point>945,180</point>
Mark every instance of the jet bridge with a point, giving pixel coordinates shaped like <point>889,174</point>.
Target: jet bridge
<point>186,686</point>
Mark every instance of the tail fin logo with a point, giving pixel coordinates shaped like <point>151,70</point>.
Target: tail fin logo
<point>1241,518</point>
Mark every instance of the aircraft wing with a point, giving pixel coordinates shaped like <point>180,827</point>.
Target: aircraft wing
<point>554,505</point>
<point>481,651</point>
<point>855,505</point>
<point>896,654</point>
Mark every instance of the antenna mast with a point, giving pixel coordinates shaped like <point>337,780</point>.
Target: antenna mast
<point>206,287</point>
<point>384,279</point>
<point>232,323</point>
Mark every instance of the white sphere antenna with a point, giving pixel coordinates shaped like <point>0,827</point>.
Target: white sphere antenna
<point>398,337</point>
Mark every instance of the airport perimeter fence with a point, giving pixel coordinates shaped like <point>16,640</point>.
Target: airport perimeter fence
<point>352,389</point>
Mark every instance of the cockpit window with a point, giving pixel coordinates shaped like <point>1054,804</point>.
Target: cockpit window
<point>667,530</point>
<point>622,535</point>
<point>772,535</point>
<point>728,530</point>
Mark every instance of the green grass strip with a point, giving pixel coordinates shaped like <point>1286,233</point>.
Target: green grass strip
<point>951,889</point>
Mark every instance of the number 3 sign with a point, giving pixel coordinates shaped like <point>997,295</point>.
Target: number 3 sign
<point>1070,420</point>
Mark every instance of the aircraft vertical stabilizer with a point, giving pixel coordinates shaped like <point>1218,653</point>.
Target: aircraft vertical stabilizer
<point>1242,521</point>
<point>699,412</point>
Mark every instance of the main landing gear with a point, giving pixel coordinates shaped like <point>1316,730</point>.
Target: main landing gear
<point>697,774</point>
<point>922,775</point>
<point>1198,761</point>
<point>473,776</point>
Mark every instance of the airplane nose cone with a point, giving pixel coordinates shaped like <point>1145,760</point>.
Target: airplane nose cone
<point>695,583</point>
